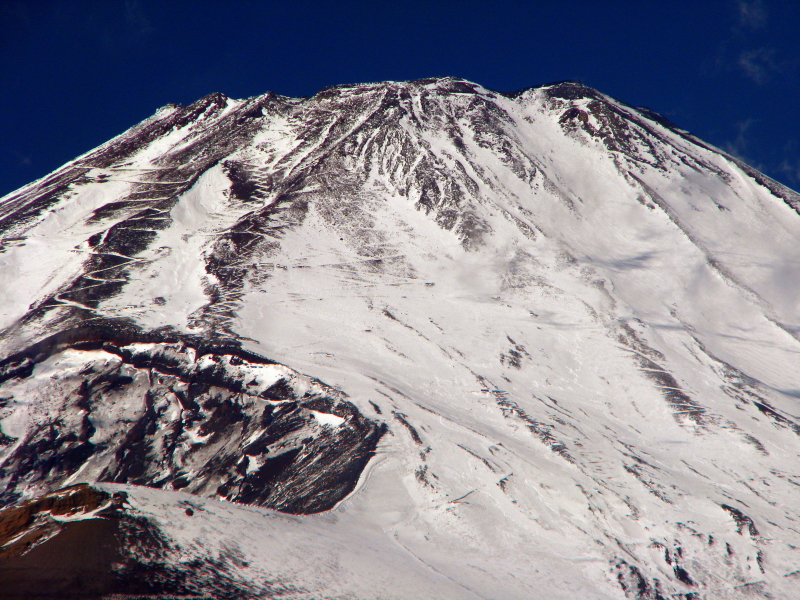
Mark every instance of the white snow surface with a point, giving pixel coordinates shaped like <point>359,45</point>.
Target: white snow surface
<point>534,361</point>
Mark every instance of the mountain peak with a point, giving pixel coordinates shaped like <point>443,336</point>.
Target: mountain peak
<point>538,340</point>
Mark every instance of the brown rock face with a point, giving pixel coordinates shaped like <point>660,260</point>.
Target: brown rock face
<point>59,546</point>
<point>44,557</point>
<point>26,525</point>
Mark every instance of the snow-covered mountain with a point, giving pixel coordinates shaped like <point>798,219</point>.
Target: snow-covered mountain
<point>402,340</point>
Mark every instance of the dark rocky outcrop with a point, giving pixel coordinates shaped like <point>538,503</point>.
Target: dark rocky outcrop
<point>216,421</point>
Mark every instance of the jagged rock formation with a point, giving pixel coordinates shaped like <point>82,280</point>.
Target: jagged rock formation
<point>219,423</point>
<point>558,337</point>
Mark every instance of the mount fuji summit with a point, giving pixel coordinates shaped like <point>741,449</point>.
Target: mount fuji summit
<point>402,340</point>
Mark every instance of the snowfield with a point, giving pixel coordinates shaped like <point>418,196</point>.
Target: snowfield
<point>415,340</point>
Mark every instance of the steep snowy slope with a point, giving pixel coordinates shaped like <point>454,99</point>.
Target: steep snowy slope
<point>529,345</point>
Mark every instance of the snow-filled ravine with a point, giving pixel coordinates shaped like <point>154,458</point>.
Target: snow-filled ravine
<point>411,340</point>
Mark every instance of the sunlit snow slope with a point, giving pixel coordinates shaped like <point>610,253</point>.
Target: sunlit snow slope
<point>481,345</point>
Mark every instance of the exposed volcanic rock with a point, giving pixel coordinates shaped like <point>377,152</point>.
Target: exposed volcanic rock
<point>32,522</point>
<point>218,422</point>
<point>558,335</point>
<point>86,542</point>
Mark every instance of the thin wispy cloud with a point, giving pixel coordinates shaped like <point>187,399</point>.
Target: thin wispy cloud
<point>750,50</point>
<point>15,160</point>
<point>752,15</point>
<point>791,168</point>
<point>739,145</point>
<point>759,64</point>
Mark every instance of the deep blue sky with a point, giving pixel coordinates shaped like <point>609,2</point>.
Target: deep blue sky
<point>74,74</point>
